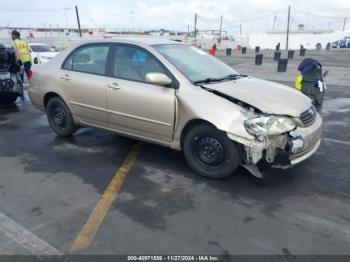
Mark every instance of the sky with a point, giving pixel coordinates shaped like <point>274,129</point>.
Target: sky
<point>254,15</point>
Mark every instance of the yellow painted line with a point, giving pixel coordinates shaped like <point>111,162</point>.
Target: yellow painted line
<point>89,230</point>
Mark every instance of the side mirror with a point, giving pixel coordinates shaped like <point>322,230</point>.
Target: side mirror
<point>158,79</point>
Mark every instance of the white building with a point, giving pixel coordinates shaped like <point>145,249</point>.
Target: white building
<point>309,39</point>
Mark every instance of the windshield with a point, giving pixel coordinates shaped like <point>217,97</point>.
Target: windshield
<point>194,63</point>
<point>41,48</point>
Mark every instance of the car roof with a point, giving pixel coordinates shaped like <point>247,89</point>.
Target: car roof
<point>37,44</point>
<point>135,40</point>
<point>7,44</point>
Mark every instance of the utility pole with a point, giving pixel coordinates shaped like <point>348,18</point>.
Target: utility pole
<point>188,30</point>
<point>345,23</point>
<point>274,24</point>
<point>220,26</point>
<point>287,43</point>
<point>195,25</point>
<point>76,11</point>
<point>240,29</point>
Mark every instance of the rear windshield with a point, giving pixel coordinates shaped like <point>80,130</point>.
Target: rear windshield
<point>41,48</point>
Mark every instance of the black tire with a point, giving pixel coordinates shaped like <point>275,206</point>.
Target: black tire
<point>60,117</point>
<point>8,99</point>
<point>210,152</point>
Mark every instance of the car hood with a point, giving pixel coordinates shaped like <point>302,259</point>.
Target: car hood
<point>48,54</point>
<point>269,97</point>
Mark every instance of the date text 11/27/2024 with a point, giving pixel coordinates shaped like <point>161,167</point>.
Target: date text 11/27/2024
<point>173,258</point>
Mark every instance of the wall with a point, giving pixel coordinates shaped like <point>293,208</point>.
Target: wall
<point>309,40</point>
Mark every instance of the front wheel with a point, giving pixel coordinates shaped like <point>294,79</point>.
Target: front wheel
<point>210,152</point>
<point>60,117</point>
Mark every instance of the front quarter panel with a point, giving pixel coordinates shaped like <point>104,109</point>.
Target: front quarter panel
<point>195,103</point>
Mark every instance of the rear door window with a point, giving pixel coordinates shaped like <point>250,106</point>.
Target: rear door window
<point>90,59</point>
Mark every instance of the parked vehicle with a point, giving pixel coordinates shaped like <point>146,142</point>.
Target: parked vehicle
<point>176,95</point>
<point>335,44</point>
<point>11,86</point>
<point>41,53</point>
<point>344,43</point>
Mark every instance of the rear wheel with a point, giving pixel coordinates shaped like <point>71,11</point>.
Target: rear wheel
<point>210,152</point>
<point>60,117</point>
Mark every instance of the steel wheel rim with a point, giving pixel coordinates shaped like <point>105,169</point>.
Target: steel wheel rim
<point>210,151</point>
<point>58,116</point>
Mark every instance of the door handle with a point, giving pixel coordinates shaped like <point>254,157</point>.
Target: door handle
<point>65,77</point>
<point>114,86</point>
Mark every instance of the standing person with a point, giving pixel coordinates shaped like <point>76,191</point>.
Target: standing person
<point>22,52</point>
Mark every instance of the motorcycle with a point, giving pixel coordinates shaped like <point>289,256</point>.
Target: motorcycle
<point>11,76</point>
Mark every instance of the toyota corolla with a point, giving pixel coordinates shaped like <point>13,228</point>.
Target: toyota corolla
<point>178,96</point>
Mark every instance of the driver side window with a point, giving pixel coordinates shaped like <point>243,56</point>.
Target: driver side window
<point>132,63</point>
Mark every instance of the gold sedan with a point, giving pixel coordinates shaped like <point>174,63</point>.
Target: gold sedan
<point>178,96</point>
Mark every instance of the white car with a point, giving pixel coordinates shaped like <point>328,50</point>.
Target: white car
<point>41,53</point>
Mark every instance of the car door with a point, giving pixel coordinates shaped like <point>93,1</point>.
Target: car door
<point>84,80</point>
<point>133,106</point>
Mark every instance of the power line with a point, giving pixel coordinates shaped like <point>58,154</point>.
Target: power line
<point>257,18</point>
<point>205,21</point>
<point>208,20</point>
<point>31,10</point>
<point>138,17</point>
<point>317,15</point>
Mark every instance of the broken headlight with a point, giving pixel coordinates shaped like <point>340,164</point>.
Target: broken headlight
<point>269,125</point>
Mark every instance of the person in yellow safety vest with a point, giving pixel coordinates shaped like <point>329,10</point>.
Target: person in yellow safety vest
<point>299,82</point>
<point>22,52</point>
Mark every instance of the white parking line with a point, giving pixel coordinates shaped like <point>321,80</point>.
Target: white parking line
<point>25,238</point>
<point>322,222</point>
<point>337,141</point>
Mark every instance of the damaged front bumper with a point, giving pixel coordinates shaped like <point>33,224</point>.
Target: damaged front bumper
<point>282,151</point>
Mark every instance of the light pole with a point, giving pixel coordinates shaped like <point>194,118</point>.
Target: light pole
<point>287,42</point>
